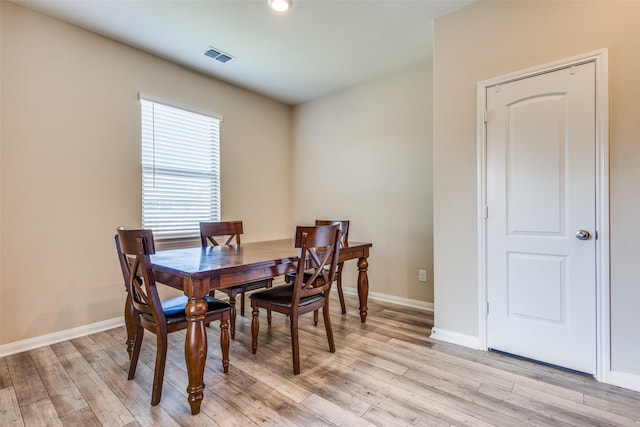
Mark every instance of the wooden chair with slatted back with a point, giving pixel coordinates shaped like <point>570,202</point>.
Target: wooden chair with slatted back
<point>319,248</point>
<point>134,248</point>
<point>344,242</point>
<point>216,233</point>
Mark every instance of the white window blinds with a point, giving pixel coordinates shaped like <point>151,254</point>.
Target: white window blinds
<point>180,169</point>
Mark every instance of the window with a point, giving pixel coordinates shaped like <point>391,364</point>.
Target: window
<point>180,168</point>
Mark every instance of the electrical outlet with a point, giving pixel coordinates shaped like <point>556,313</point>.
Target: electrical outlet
<point>422,275</point>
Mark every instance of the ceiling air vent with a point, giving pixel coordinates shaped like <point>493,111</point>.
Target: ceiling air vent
<point>217,54</point>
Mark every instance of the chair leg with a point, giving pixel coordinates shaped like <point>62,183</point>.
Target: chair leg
<point>255,327</point>
<point>233,322</point>
<point>295,345</point>
<point>212,294</point>
<point>131,321</point>
<point>340,294</point>
<point>158,375</point>
<point>241,304</point>
<point>232,302</point>
<point>269,311</point>
<point>135,351</point>
<point>224,343</point>
<point>315,317</point>
<point>329,329</point>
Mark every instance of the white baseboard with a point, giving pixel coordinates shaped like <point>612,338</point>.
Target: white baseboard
<point>421,305</point>
<point>455,338</point>
<point>56,337</point>
<point>623,379</point>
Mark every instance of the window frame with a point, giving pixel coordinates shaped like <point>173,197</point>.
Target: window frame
<point>168,166</point>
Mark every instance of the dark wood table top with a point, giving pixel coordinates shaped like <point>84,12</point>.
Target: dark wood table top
<point>215,260</point>
<point>203,260</point>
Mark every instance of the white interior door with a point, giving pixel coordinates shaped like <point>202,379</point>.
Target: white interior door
<point>541,217</point>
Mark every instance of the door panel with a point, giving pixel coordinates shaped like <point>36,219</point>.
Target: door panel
<point>536,287</point>
<point>540,190</point>
<point>536,147</point>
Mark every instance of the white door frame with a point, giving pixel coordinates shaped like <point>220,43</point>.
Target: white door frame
<point>600,58</point>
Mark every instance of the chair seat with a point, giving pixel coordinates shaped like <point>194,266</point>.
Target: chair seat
<point>282,295</point>
<point>252,286</point>
<point>173,308</point>
<point>291,277</point>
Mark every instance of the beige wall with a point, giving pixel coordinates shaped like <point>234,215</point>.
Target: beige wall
<point>492,38</point>
<point>364,154</point>
<point>69,153</point>
<point>70,169</point>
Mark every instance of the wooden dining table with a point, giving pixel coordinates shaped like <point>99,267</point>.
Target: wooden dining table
<point>197,271</point>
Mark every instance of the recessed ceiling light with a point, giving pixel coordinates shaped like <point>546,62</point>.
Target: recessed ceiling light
<point>279,5</point>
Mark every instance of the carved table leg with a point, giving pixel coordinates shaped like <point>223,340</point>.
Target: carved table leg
<point>195,349</point>
<point>363,287</point>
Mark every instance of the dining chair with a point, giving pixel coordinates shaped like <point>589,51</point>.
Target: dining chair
<point>319,247</point>
<point>216,233</point>
<point>134,248</point>
<point>344,242</point>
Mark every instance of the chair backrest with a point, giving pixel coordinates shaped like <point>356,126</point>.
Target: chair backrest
<point>319,246</point>
<point>134,248</point>
<point>226,231</point>
<point>344,229</point>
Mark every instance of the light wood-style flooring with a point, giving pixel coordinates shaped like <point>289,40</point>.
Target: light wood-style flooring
<point>387,372</point>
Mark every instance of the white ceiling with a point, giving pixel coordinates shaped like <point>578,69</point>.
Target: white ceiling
<point>318,47</point>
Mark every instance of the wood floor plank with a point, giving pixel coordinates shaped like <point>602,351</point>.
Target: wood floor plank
<point>222,412</point>
<point>595,416</point>
<point>291,412</point>
<point>557,416</point>
<point>372,388</point>
<point>332,413</point>
<point>249,403</point>
<point>136,394</point>
<point>62,391</point>
<point>526,369</point>
<point>132,395</point>
<point>469,392</point>
<point>9,409</point>
<point>486,365</point>
<point>40,414</point>
<point>84,417</point>
<point>315,379</point>
<point>273,380</point>
<point>392,412</point>
<point>613,405</point>
<point>104,403</point>
<point>455,398</point>
<point>5,376</point>
<point>27,384</point>
<point>174,403</point>
<point>456,364</point>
